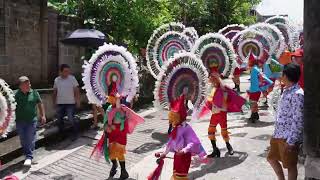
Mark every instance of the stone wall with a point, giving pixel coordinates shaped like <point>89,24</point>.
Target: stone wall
<point>71,55</point>
<point>30,35</point>
<point>22,40</point>
<point>4,65</point>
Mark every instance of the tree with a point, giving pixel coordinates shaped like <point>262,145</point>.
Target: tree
<point>132,22</point>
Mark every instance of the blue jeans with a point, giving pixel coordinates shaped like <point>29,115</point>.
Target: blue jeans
<point>69,110</point>
<point>27,133</point>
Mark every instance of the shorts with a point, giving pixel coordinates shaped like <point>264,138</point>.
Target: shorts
<point>278,152</point>
<point>117,151</point>
<point>255,96</point>
<point>219,118</point>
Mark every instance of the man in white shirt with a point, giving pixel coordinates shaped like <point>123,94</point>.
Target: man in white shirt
<point>66,97</point>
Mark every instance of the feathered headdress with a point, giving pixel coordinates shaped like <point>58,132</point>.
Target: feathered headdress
<point>109,61</point>
<point>288,29</point>
<point>183,70</point>
<point>165,41</point>
<point>275,36</point>
<point>253,41</point>
<point>231,30</point>
<point>7,109</point>
<point>215,50</point>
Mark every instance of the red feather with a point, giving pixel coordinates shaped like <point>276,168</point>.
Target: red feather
<point>98,149</point>
<point>157,172</point>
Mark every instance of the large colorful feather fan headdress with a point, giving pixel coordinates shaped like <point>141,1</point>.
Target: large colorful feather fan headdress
<point>273,33</point>
<point>231,30</point>
<point>192,33</point>
<point>183,70</point>
<point>252,41</point>
<point>216,51</point>
<point>288,29</point>
<point>165,41</point>
<point>107,62</point>
<point>7,109</point>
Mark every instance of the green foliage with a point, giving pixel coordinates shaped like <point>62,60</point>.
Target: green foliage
<point>132,22</point>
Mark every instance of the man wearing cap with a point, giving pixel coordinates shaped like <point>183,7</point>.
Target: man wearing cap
<point>28,100</point>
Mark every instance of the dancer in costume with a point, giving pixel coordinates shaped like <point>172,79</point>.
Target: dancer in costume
<point>7,109</point>
<point>184,77</point>
<point>118,122</point>
<point>222,100</point>
<point>272,71</point>
<point>258,83</point>
<point>229,32</point>
<point>109,75</point>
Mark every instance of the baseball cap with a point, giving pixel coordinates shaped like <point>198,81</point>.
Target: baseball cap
<point>298,53</point>
<point>23,79</point>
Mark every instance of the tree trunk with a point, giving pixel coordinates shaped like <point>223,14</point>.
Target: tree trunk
<point>312,87</point>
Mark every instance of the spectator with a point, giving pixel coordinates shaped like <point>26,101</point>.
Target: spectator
<point>288,125</point>
<point>66,97</point>
<point>26,116</point>
<point>96,110</point>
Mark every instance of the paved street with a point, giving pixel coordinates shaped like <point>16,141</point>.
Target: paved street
<point>249,163</point>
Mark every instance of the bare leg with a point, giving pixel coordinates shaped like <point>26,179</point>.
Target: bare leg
<point>292,173</point>
<point>276,166</point>
<point>95,115</point>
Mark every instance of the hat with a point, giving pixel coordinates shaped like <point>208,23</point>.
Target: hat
<point>178,110</point>
<point>298,53</point>
<point>285,57</point>
<point>252,60</point>
<point>23,79</point>
<point>214,70</point>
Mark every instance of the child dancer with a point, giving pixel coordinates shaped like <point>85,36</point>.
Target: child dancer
<point>273,72</point>
<point>221,100</point>
<point>258,83</point>
<point>119,121</point>
<point>183,141</point>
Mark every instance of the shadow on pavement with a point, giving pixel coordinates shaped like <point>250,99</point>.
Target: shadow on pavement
<point>219,164</point>
<point>147,147</point>
<point>259,124</point>
<point>64,177</point>
<point>146,131</point>
<point>239,134</point>
<point>263,137</point>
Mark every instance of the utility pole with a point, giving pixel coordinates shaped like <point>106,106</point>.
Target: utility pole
<point>312,86</point>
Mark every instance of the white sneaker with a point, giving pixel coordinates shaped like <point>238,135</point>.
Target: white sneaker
<point>27,162</point>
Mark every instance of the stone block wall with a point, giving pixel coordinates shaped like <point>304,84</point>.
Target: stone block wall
<point>71,55</point>
<point>30,35</point>
<point>22,40</point>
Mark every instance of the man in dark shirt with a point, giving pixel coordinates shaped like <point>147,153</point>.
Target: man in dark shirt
<point>26,116</point>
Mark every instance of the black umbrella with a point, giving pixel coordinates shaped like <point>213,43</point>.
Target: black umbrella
<point>85,37</point>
